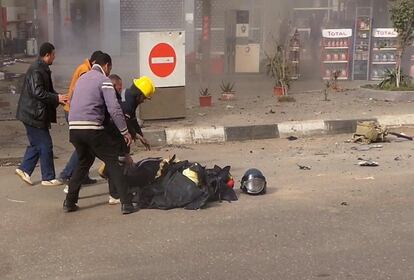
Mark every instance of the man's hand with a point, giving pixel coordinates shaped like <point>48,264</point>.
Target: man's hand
<point>128,139</point>
<point>63,98</point>
<point>128,161</point>
<point>144,142</point>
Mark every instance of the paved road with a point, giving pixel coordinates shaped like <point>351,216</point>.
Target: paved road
<point>335,221</point>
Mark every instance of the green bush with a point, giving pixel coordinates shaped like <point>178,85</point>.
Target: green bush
<point>390,80</point>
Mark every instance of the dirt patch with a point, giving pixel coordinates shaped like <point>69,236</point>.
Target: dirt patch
<point>4,162</point>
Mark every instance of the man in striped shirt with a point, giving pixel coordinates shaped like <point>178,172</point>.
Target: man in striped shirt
<point>94,95</point>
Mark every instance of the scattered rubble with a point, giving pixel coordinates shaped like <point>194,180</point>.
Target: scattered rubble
<point>366,147</point>
<point>321,154</point>
<point>17,201</point>
<point>178,147</point>
<point>4,162</point>
<point>366,178</point>
<point>401,135</point>
<point>292,138</point>
<point>370,163</point>
<point>368,132</point>
<point>304,167</point>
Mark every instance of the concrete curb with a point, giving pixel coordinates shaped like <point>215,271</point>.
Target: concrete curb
<point>219,134</point>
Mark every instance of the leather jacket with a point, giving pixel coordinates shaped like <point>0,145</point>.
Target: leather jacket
<point>38,99</point>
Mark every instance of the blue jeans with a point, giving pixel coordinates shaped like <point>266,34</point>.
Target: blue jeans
<point>67,172</point>
<point>41,147</point>
<point>70,166</point>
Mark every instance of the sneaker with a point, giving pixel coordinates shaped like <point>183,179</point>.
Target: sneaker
<point>66,189</point>
<point>114,201</point>
<point>51,183</point>
<point>24,176</point>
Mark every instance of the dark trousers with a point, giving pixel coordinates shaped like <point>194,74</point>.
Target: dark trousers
<point>72,163</point>
<point>116,137</point>
<point>91,143</point>
<point>40,147</point>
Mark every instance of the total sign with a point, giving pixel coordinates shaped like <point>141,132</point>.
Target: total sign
<point>336,33</point>
<point>162,57</point>
<point>385,33</point>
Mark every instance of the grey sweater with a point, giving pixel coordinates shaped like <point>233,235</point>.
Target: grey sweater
<point>94,94</point>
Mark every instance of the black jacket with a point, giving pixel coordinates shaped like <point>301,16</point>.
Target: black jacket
<point>38,99</point>
<point>129,104</point>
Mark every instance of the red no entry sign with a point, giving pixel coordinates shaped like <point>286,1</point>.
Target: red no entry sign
<point>162,60</point>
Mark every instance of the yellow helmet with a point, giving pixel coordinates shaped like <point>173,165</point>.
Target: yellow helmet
<point>145,85</point>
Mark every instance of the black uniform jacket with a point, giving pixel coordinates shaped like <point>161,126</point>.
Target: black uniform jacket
<point>38,99</point>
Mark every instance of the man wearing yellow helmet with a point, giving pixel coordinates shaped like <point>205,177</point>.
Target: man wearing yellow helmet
<point>129,99</point>
<point>141,90</point>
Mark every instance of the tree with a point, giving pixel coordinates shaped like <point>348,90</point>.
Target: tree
<point>402,16</point>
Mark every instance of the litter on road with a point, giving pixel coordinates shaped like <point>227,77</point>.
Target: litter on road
<point>368,132</point>
<point>303,167</point>
<point>292,138</point>
<point>366,178</point>
<point>14,200</point>
<point>368,163</point>
<point>401,135</point>
<point>366,147</point>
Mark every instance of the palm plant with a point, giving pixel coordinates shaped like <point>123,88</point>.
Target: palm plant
<point>277,68</point>
<point>391,80</point>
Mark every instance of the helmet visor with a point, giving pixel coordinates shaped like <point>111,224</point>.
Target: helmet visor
<point>254,185</point>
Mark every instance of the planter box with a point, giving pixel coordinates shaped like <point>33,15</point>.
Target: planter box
<point>278,91</point>
<point>205,101</point>
<point>227,96</point>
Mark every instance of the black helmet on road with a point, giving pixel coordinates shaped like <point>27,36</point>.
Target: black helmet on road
<point>253,182</point>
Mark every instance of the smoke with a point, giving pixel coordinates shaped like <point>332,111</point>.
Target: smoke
<point>80,28</point>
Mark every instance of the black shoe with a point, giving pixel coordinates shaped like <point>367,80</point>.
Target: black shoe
<point>129,208</point>
<point>64,180</point>
<point>89,181</point>
<point>69,207</point>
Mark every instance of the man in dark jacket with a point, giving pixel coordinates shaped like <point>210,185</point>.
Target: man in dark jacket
<point>37,110</point>
<point>130,99</point>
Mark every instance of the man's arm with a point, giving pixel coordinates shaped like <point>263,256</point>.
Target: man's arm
<point>129,108</point>
<point>39,92</point>
<point>135,126</point>
<point>113,107</point>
